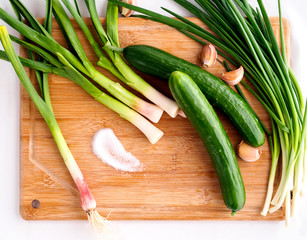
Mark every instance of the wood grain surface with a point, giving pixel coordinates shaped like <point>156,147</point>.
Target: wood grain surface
<point>178,181</point>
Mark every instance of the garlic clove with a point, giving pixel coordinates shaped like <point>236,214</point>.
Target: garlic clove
<point>125,11</point>
<point>233,77</point>
<point>248,153</point>
<point>208,55</point>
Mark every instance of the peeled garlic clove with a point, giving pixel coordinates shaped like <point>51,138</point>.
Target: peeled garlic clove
<point>125,11</point>
<point>208,55</point>
<point>248,153</point>
<point>233,77</point>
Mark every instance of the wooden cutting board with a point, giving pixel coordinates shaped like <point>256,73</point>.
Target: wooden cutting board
<point>178,182</point>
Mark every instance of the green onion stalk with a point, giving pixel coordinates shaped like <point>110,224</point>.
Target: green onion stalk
<point>246,35</point>
<point>149,110</point>
<point>88,202</point>
<point>150,131</point>
<point>67,64</point>
<point>110,41</point>
<point>80,60</point>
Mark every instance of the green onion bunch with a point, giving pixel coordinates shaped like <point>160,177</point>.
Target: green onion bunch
<point>74,64</point>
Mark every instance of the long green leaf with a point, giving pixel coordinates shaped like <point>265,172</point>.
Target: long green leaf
<point>48,17</point>
<point>30,18</point>
<point>16,10</point>
<point>72,35</point>
<point>103,60</point>
<point>44,54</point>
<point>22,75</point>
<point>272,114</point>
<point>48,27</point>
<point>282,36</point>
<point>112,23</point>
<point>42,40</point>
<point>77,7</point>
<point>43,67</point>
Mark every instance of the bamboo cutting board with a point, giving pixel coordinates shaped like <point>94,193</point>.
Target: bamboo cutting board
<point>178,182</point>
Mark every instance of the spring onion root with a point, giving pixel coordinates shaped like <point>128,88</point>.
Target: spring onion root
<point>100,225</point>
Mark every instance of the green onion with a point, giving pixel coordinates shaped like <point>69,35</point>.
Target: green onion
<point>110,39</point>
<point>151,132</point>
<point>149,110</point>
<point>43,39</point>
<point>88,202</point>
<point>105,62</point>
<point>46,41</point>
<point>15,8</point>
<point>45,78</point>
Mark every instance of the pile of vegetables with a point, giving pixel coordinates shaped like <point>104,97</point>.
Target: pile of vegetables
<point>245,38</point>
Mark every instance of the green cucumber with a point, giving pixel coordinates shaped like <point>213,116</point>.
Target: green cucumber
<point>204,119</point>
<point>161,64</point>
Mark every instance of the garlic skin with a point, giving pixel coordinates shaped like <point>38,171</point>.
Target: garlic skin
<point>233,77</point>
<point>208,55</point>
<point>125,11</point>
<point>248,153</point>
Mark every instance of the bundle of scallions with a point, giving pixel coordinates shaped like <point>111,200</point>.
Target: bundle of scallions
<point>245,37</point>
<point>60,60</point>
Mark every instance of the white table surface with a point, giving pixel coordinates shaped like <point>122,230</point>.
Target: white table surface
<point>12,226</point>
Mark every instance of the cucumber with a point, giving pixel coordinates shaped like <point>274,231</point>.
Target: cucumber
<point>204,119</point>
<point>161,64</point>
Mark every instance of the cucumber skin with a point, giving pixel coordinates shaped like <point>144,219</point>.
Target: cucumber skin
<point>161,64</point>
<point>204,119</point>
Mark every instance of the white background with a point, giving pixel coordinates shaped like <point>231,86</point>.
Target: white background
<point>12,226</point>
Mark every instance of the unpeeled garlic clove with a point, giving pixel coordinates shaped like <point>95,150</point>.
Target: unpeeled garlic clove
<point>233,77</point>
<point>208,55</point>
<point>125,11</point>
<point>248,153</point>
